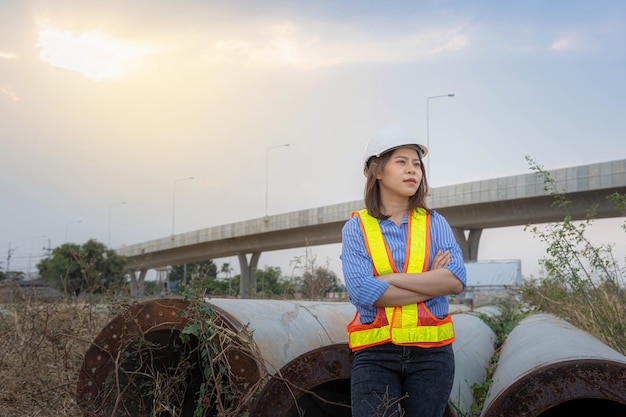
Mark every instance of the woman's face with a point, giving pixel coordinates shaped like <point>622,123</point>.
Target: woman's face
<point>402,174</point>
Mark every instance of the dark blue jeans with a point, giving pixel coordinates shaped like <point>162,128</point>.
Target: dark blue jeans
<point>387,377</point>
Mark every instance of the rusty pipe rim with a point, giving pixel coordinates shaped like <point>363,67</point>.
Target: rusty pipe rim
<point>152,317</point>
<point>554,385</point>
<point>114,354</point>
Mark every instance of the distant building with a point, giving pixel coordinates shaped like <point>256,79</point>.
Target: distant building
<point>490,282</point>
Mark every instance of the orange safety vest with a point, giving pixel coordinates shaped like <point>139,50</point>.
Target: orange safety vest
<point>412,324</point>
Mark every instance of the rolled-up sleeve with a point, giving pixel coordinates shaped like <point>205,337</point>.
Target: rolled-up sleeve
<point>358,272</point>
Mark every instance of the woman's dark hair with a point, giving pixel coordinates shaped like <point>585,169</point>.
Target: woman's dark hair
<point>372,188</point>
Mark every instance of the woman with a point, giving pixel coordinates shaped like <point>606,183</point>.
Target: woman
<point>400,262</point>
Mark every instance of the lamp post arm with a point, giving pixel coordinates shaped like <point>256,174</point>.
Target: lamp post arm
<point>428,127</point>
<point>174,201</point>
<point>267,175</point>
<point>110,211</point>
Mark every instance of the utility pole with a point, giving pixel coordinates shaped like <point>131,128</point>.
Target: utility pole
<point>10,251</point>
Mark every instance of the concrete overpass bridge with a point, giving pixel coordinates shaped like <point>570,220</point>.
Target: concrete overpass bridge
<point>469,208</point>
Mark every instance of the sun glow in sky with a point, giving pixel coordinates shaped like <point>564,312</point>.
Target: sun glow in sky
<point>93,54</point>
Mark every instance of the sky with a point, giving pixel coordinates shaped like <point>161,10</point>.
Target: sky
<point>107,109</point>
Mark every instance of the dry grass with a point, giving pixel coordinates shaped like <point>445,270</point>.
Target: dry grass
<point>600,311</point>
<point>42,346</point>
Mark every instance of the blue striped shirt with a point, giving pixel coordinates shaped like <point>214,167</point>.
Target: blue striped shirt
<point>358,271</point>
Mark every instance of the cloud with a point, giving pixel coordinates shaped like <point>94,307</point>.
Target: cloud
<point>95,55</point>
<point>8,55</point>
<point>307,48</point>
<point>7,92</point>
<point>562,44</point>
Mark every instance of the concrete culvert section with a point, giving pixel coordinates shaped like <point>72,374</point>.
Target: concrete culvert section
<point>283,330</point>
<point>276,358</point>
<point>139,366</point>
<point>548,368</point>
<point>473,349</point>
<point>118,376</point>
<point>316,383</point>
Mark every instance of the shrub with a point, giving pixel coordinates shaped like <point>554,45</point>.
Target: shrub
<point>584,283</point>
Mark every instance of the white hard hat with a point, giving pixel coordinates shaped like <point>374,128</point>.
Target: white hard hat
<point>389,138</point>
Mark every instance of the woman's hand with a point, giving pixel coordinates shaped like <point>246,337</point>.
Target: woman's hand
<point>441,260</point>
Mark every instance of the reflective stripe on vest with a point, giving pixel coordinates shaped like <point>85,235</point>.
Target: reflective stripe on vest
<point>412,324</point>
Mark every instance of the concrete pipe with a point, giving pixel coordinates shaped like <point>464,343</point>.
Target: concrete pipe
<point>304,358</point>
<point>314,384</point>
<point>284,330</point>
<point>488,311</point>
<point>279,332</point>
<point>108,362</point>
<point>473,349</point>
<point>549,368</point>
<point>317,383</point>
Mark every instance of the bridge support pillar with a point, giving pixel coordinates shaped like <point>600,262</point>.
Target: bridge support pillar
<point>136,283</point>
<point>247,284</point>
<point>469,244</point>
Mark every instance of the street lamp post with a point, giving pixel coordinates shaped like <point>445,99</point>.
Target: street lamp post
<point>174,201</point>
<point>267,159</point>
<point>67,225</point>
<point>427,127</point>
<point>110,209</point>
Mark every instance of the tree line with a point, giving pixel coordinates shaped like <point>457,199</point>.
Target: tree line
<point>93,268</point>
